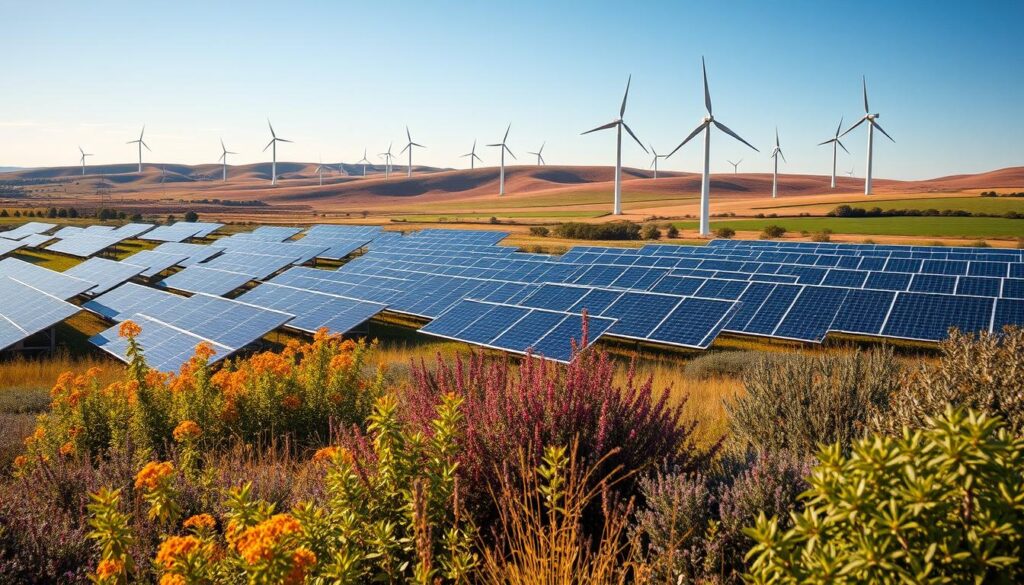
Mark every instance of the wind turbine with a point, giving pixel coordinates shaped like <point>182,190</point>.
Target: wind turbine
<point>540,154</point>
<point>735,165</point>
<point>504,147</point>
<point>872,124</point>
<point>364,162</point>
<point>320,171</point>
<point>849,173</point>
<point>224,157</point>
<point>835,141</point>
<point>776,153</point>
<point>619,123</point>
<point>387,156</point>
<point>705,127</point>
<point>84,154</point>
<point>654,161</point>
<point>472,155</point>
<point>273,143</point>
<point>408,171</point>
<point>141,144</point>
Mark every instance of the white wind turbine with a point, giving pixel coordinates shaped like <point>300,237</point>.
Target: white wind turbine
<point>654,161</point>
<point>320,171</point>
<point>224,159</point>
<point>273,143</point>
<point>363,161</point>
<point>849,173</point>
<point>872,124</point>
<point>504,147</point>
<point>408,146</point>
<point>472,155</point>
<point>388,157</point>
<point>540,154</point>
<point>735,165</point>
<point>776,153</point>
<point>84,154</point>
<point>141,144</point>
<point>619,123</point>
<point>835,141</point>
<point>705,127</point>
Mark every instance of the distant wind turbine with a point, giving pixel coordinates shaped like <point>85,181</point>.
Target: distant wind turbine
<point>705,126</point>
<point>472,155</point>
<point>619,123</point>
<point>84,154</point>
<point>776,153</point>
<point>654,161</point>
<point>320,171</point>
<point>224,158</point>
<point>540,154</point>
<point>849,173</point>
<point>834,141</point>
<point>273,143</point>
<point>363,161</point>
<point>504,147</point>
<point>388,157</point>
<point>872,124</point>
<point>141,144</point>
<point>408,146</point>
<point>735,165</point>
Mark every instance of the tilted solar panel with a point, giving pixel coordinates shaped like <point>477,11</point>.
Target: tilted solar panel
<point>26,310</point>
<point>32,227</point>
<point>199,279</point>
<point>105,273</point>
<point>313,310</point>
<point>153,262</point>
<point>84,245</point>
<point>33,241</point>
<point>131,298</point>
<point>54,283</point>
<point>257,266</point>
<point>928,317</point>
<point>195,253</point>
<point>8,246</point>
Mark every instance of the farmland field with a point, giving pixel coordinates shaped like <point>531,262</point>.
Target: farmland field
<point>951,227</point>
<point>993,205</point>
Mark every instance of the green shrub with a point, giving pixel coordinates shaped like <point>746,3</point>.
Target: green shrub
<point>191,216</point>
<point>725,232</point>
<point>672,231</point>
<point>941,505</point>
<point>772,231</point>
<point>798,402</point>
<point>650,232</point>
<point>822,236</point>
<point>722,363</point>
<point>614,230</point>
<point>539,230</point>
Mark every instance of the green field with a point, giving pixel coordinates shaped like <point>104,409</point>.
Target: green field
<point>635,199</point>
<point>938,227</point>
<point>995,205</point>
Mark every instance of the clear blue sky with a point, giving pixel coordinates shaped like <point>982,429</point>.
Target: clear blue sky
<point>947,77</point>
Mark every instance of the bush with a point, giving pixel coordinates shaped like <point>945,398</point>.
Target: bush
<point>3,213</point>
<point>796,403</point>
<point>614,230</point>
<point>650,232</point>
<point>723,363</point>
<point>191,216</point>
<point>772,231</point>
<point>539,230</point>
<point>725,232</point>
<point>822,236</point>
<point>672,231</point>
<point>981,372</point>
<point>940,505</point>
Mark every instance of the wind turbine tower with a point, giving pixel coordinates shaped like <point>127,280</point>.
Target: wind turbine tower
<point>654,161</point>
<point>872,120</point>
<point>141,144</point>
<point>705,127</point>
<point>834,141</point>
<point>363,161</point>
<point>619,123</point>
<point>735,165</point>
<point>540,154</point>
<point>472,155</point>
<point>388,157</point>
<point>776,153</point>
<point>84,154</point>
<point>504,147</point>
<point>409,146</point>
<point>273,143</point>
<point>224,159</point>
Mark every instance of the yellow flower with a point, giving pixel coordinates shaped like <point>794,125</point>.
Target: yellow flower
<point>129,330</point>
<point>176,547</point>
<point>200,521</point>
<point>172,579</point>
<point>258,542</point>
<point>150,476</point>
<point>109,568</point>
<point>302,560</point>
<point>186,430</point>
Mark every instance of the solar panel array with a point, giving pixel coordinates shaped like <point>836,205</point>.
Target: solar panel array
<point>8,246</point>
<point>153,262</point>
<point>105,273</point>
<point>180,231</point>
<point>313,310</point>
<point>28,229</point>
<point>33,311</point>
<point>53,283</point>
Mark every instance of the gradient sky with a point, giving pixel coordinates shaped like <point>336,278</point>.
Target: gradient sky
<point>335,77</point>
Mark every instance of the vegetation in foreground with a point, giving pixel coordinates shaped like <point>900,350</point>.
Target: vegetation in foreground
<point>312,465</point>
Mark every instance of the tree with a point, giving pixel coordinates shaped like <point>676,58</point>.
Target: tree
<point>3,213</point>
<point>62,212</point>
<point>725,232</point>
<point>650,232</point>
<point>191,216</point>
<point>136,217</point>
<point>170,218</point>
<point>773,231</point>
<point>672,232</point>
<point>539,230</point>
<point>51,213</point>
<point>72,212</point>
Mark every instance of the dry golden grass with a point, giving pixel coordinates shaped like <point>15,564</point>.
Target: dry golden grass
<point>40,373</point>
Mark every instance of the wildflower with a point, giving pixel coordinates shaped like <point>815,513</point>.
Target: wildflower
<point>93,372</point>
<point>204,351</point>
<point>129,330</point>
<point>176,547</point>
<point>172,579</point>
<point>109,568</point>
<point>150,476</point>
<point>73,432</point>
<point>302,560</point>
<point>324,455</point>
<point>258,542</point>
<point>341,361</point>
<point>36,436</point>
<point>20,461</point>
<point>201,521</point>
<point>186,430</point>
<point>155,378</point>
<point>291,402</point>
<point>270,362</point>
<point>67,448</point>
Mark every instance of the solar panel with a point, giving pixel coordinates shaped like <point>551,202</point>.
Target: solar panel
<point>131,230</point>
<point>131,298</point>
<point>771,311</point>
<point>30,228</point>
<point>53,283</point>
<point>105,273</point>
<point>1013,288</point>
<point>176,232</point>
<point>694,322</point>
<point>1008,312</point>
<point>257,266</point>
<point>811,314</point>
<point>888,280</point>
<point>555,297</point>
<point>638,314</point>
<point>933,283</point>
<point>33,241</point>
<point>275,233</point>
<point>313,310</point>
<point>195,253</point>
<point>27,310</point>
<point>84,245</point>
<point>928,317</point>
<point>153,262</point>
<point>200,279</point>
<point>165,347</point>
<point>8,246</point>
<point>863,311</point>
<point>980,286</point>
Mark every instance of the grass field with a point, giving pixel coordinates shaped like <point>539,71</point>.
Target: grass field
<point>953,227</point>
<point>573,199</point>
<point>457,216</point>
<point>996,205</point>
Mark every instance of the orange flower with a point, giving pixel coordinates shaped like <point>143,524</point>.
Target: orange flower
<point>325,454</point>
<point>302,560</point>
<point>36,436</point>
<point>155,378</point>
<point>20,461</point>
<point>291,402</point>
<point>176,547</point>
<point>172,579</point>
<point>270,362</point>
<point>109,568</point>
<point>204,351</point>
<point>152,474</point>
<point>186,430</point>
<point>341,361</point>
<point>129,330</point>
<point>258,543</point>
<point>67,448</point>
<point>74,432</point>
<point>200,521</point>
<point>93,372</point>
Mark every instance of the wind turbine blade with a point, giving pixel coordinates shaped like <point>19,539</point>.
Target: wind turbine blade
<point>477,157</point>
<point>542,161</point>
<point>269,125</point>
<point>850,129</point>
<point>282,140</point>
<point>776,138</point>
<point>829,141</point>
<point>542,145</point>
<point>506,132</point>
<point>707,93</point>
<point>222,157</point>
<point>499,144</point>
<point>626,126</point>
<point>407,135</point>
<point>882,131</point>
<point>843,147</point>
<point>142,133</point>
<point>509,150</point>
<point>726,129</point>
<point>407,147</point>
<point>865,81</point>
<point>268,144</point>
<point>605,127</point>
<point>840,126</point>
<point>695,132</point>
<point>739,161</point>
<point>783,156</point>
<point>222,147</point>
<point>150,150</point>
<point>622,109</point>
<point>418,144</point>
